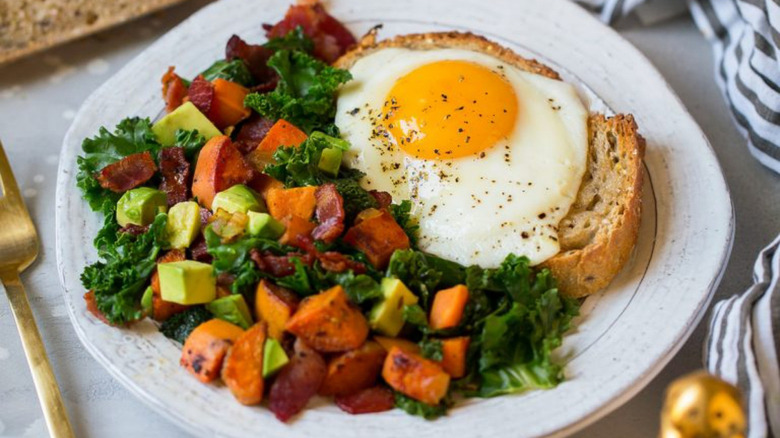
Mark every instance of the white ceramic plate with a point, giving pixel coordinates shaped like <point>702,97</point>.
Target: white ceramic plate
<point>626,334</point>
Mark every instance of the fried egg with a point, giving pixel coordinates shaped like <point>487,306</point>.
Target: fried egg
<point>490,156</point>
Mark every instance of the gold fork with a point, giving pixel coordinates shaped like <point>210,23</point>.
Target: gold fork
<point>18,249</point>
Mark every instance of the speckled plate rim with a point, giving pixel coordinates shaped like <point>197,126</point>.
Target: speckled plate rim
<point>678,157</point>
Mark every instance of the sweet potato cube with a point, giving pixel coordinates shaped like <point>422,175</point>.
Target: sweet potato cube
<point>454,352</point>
<point>283,133</point>
<point>243,368</point>
<point>227,106</point>
<point>354,370</point>
<point>298,201</point>
<point>329,323</point>
<point>274,305</point>
<point>415,376</point>
<point>378,236</point>
<point>206,347</point>
<point>220,166</point>
<point>295,228</point>
<point>405,345</point>
<point>448,306</point>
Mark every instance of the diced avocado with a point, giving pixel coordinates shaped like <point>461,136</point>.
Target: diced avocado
<point>188,117</point>
<point>146,300</point>
<point>187,282</point>
<point>264,225</point>
<point>238,199</point>
<point>330,161</point>
<point>139,206</point>
<point>386,317</point>
<point>274,357</point>
<point>233,309</point>
<point>183,224</point>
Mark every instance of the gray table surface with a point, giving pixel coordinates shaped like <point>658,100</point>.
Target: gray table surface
<point>40,95</point>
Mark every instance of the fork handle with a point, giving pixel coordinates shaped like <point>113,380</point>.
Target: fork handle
<point>45,383</point>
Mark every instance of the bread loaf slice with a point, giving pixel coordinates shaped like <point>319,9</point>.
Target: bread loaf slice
<point>28,26</point>
<point>600,230</point>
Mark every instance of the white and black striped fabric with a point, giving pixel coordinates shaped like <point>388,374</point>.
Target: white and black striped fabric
<point>745,35</point>
<point>744,343</point>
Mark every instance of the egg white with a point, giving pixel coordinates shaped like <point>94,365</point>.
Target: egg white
<point>477,209</point>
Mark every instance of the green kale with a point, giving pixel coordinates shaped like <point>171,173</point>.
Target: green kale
<point>356,198</point>
<point>360,288</point>
<point>418,272</point>
<point>414,407</point>
<point>416,316</point>
<point>402,214</point>
<point>234,70</point>
<point>431,349</point>
<point>131,136</point>
<point>515,345</point>
<point>190,141</point>
<point>305,94</point>
<point>294,40</point>
<point>308,280</point>
<point>299,281</point>
<point>179,326</point>
<point>119,280</point>
<point>233,258</point>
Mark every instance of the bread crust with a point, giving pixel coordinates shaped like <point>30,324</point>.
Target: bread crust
<point>600,230</point>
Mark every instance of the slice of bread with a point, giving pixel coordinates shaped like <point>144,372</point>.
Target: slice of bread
<point>29,26</point>
<point>600,230</point>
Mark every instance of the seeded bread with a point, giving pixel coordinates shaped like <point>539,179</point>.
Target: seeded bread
<point>28,26</point>
<point>599,232</point>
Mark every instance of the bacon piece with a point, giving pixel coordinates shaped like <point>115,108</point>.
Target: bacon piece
<point>205,216</point>
<point>338,262</point>
<point>384,199</point>
<point>252,132</point>
<point>297,382</point>
<point>278,266</point>
<point>255,57</point>
<point>199,250</point>
<point>173,90</point>
<point>367,401</point>
<point>134,230</point>
<point>127,173</point>
<point>175,170</point>
<point>330,213</point>
<point>331,39</point>
<point>201,94</point>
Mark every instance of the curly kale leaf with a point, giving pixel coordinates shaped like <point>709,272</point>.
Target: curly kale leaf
<point>234,70</point>
<point>403,215</point>
<point>131,136</point>
<point>191,141</point>
<point>305,94</point>
<point>119,279</point>
<point>414,407</point>
<point>294,40</point>
<point>179,326</point>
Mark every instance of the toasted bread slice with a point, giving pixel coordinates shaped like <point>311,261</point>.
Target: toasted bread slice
<point>600,230</point>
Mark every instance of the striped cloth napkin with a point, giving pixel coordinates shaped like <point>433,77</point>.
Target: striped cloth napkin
<point>745,35</point>
<point>744,343</point>
<point>743,346</point>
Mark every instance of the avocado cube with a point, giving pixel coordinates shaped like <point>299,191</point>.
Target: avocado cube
<point>386,317</point>
<point>330,161</point>
<point>139,206</point>
<point>187,282</point>
<point>238,199</point>
<point>188,117</point>
<point>146,300</point>
<point>274,357</point>
<point>233,309</point>
<point>264,225</point>
<point>183,224</point>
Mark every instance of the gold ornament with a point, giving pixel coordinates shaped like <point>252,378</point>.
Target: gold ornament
<point>701,405</point>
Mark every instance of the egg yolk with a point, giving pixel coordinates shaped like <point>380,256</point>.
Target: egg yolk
<point>449,109</point>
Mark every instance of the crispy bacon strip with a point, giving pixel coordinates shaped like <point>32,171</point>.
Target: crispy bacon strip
<point>331,39</point>
<point>255,57</point>
<point>278,266</point>
<point>173,90</point>
<point>330,213</point>
<point>201,94</point>
<point>337,262</point>
<point>175,170</point>
<point>199,250</point>
<point>384,199</point>
<point>127,173</point>
<point>134,230</point>
<point>252,132</point>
